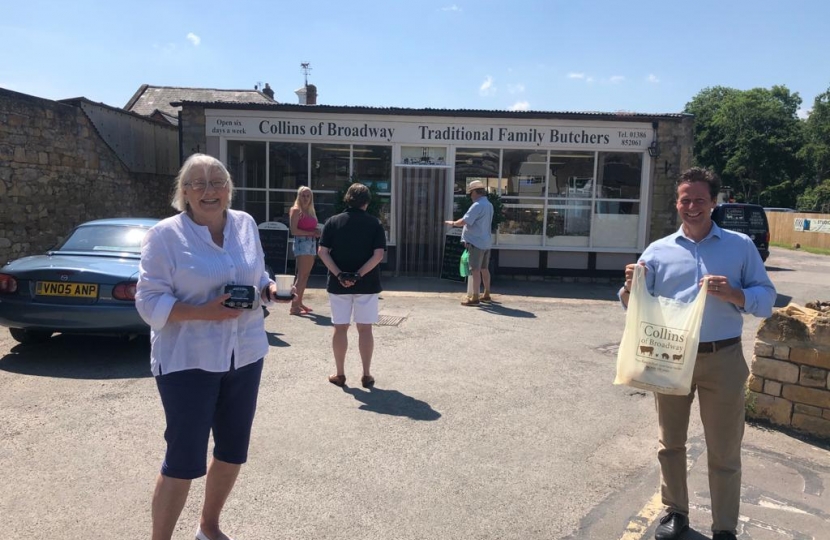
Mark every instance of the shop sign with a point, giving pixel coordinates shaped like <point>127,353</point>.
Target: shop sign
<point>543,135</point>
<point>811,225</point>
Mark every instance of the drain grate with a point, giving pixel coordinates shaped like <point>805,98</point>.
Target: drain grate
<point>389,320</point>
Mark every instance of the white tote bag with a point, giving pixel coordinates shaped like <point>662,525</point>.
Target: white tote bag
<point>659,344</point>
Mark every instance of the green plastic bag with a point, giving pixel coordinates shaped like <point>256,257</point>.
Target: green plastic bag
<point>464,264</point>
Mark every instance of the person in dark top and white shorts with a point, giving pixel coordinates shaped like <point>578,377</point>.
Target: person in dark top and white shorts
<point>351,247</point>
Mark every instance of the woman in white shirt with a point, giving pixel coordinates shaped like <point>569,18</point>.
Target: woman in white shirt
<point>206,357</point>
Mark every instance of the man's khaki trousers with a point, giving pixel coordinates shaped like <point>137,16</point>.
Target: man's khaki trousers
<point>719,379</point>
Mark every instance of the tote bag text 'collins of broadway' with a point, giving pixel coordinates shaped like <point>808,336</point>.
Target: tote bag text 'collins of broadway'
<point>659,344</point>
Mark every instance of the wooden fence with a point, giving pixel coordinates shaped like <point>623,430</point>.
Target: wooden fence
<point>782,228</point>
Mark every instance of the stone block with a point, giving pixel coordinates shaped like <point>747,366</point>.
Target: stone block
<point>763,349</point>
<point>810,357</point>
<point>812,425</point>
<point>781,352</point>
<point>826,414</point>
<point>781,327</point>
<point>810,396</point>
<point>775,369</point>
<point>809,410</point>
<point>20,154</point>
<point>772,388</point>
<point>775,409</point>
<point>813,377</point>
<point>756,384</point>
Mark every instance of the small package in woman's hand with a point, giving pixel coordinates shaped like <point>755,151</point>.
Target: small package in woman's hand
<point>242,296</point>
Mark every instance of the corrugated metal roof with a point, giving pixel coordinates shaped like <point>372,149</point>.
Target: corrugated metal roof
<point>151,98</point>
<point>403,111</point>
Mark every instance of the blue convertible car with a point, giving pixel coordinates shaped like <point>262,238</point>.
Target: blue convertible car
<point>85,285</point>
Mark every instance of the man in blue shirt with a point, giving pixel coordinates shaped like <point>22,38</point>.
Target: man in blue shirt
<point>476,236</point>
<point>738,283</point>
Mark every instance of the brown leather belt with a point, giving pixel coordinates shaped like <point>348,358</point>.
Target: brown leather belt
<point>712,346</point>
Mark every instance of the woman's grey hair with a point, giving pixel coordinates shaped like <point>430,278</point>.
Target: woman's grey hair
<point>209,164</point>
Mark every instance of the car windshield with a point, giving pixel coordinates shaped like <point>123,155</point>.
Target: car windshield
<point>105,238</point>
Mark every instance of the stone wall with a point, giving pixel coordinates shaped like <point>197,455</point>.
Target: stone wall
<point>194,133</point>
<point>790,380</point>
<point>56,172</point>
<point>676,142</point>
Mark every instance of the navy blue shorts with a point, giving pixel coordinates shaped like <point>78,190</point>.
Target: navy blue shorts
<point>197,401</point>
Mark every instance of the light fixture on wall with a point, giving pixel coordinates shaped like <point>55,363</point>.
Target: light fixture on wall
<point>653,149</point>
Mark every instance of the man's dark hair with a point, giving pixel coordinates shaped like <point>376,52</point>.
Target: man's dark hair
<point>699,174</point>
<point>357,195</point>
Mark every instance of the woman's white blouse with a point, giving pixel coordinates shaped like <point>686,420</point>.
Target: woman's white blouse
<point>180,262</point>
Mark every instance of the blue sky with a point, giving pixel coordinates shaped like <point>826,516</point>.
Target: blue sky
<point>607,55</point>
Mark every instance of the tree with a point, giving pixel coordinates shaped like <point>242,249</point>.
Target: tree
<point>750,138</point>
<point>816,150</point>
<point>782,195</point>
<point>709,146</point>
<point>815,199</point>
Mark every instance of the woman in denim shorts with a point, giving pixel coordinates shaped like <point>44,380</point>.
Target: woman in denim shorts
<point>304,228</point>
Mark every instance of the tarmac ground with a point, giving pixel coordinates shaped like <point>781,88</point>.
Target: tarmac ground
<point>496,422</point>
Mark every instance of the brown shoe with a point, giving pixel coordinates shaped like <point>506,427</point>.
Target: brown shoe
<point>486,298</point>
<point>367,381</point>
<point>471,302</point>
<point>337,380</point>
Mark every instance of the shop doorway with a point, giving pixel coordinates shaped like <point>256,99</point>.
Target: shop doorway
<point>421,194</point>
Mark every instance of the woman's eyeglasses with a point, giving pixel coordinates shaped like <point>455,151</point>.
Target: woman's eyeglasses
<point>200,185</point>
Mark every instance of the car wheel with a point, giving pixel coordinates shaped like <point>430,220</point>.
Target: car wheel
<point>27,337</point>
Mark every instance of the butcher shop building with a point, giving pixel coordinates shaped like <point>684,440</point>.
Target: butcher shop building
<point>582,193</point>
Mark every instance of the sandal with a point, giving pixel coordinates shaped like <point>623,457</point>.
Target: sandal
<point>202,536</point>
<point>295,311</point>
<point>337,380</point>
<point>305,308</point>
<point>367,381</point>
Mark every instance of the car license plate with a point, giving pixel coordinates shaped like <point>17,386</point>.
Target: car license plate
<point>75,290</point>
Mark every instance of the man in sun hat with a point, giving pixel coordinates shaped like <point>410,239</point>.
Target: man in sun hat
<point>477,223</point>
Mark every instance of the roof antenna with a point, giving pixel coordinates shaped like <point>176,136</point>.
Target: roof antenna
<point>306,69</point>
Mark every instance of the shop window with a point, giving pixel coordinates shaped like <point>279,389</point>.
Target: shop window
<point>571,174</point>
<point>372,165</point>
<point>615,224</point>
<point>522,224</point>
<point>252,202</point>
<point>329,166</point>
<point>246,163</point>
<point>569,223</point>
<point>525,174</point>
<point>324,205</point>
<point>280,203</point>
<point>288,165</point>
<point>476,164</point>
<point>619,175</point>
<point>423,155</point>
<point>386,215</point>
